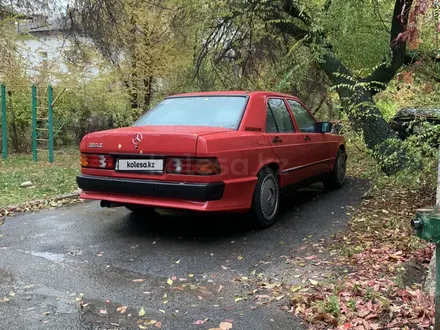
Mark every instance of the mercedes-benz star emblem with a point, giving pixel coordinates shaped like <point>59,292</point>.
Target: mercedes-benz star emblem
<point>137,139</point>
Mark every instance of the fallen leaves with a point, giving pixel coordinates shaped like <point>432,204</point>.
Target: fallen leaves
<point>141,312</point>
<point>121,309</point>
<point>200,322</point>
<point>225,325</point>
<point>371,294</point>
<point>139,280</point>
<point>170,281</point>
<point>39,204</point>
<point>4,299</point>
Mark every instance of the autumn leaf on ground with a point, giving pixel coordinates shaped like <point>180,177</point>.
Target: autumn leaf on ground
<point>295,288</point>
<point>3,300</point>
<point>225,325</point>
<point>139,280</point>
<point>121,309</point>
<point>199,322</point>
<point>150,322</point>
<point>141,312</point>
<point>170,281</point>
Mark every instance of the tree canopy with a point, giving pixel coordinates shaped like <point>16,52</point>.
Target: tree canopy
<point>334,54</point>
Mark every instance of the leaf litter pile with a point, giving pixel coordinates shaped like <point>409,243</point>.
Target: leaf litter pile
<point>374,288</point>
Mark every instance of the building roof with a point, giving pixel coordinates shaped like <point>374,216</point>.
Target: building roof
<point>41,24</point>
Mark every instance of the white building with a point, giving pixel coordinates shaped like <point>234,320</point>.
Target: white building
<point>41,43</point>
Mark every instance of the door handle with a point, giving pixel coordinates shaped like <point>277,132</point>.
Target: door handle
<point>307,138</point>
<point>276,139</point>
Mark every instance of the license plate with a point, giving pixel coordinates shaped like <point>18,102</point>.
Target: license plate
<point>140,165</point>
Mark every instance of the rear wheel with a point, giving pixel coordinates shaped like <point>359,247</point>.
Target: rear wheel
<point>266,200</point>
<point>336,178</point>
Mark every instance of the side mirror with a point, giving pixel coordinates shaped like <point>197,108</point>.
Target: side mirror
<point>324,127</point>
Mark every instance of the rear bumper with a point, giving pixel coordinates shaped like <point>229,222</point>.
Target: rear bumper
<point>230,195</point>
<point>201,192</point>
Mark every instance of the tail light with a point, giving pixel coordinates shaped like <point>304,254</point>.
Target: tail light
<point>205,166</point>
<point>97,161</point>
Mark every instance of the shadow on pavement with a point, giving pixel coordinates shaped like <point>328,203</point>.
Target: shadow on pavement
<point>190,224</point>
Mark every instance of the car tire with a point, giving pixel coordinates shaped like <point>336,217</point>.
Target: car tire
<point>266,199</point>
<point>336,178</point>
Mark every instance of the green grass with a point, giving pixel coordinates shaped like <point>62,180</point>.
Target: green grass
<point>49,180</point>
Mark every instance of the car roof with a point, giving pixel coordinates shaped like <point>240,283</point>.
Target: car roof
<point>233,93</point>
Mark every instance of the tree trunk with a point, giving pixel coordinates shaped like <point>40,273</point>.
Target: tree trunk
<point>356,94</point>
<point>367,120</point>
<point>364,116</point>
<point>148,85</point>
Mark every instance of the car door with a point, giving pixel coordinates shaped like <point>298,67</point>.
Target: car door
<point>287,143</point>
<point>317,152</point>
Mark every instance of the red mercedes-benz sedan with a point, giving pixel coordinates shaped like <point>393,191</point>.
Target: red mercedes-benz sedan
<point>211,152</point>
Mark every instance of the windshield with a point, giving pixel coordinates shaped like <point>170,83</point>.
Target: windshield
<point>217,111</point>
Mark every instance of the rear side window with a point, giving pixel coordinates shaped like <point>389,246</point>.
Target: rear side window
<point>278,119</point>
<point>305,121</point>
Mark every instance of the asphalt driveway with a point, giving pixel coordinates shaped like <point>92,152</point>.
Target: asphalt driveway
<point>177,270</point>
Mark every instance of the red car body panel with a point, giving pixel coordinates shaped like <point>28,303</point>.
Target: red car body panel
<point>241,153</point>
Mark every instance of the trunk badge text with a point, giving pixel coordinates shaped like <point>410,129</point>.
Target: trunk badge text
<point>96,145</point>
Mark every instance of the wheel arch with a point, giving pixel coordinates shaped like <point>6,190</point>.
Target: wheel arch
<point>343,148</point>
<point>276,167</point>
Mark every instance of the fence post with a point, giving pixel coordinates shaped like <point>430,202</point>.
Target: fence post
<point>34,123</point>
<point>50,121</point>
<point>4,123</point>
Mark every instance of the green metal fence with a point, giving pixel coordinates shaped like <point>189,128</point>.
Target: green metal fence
<point>4,123</point>
<point>42,123</point>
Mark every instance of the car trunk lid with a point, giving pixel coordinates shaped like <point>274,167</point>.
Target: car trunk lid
<point>150,140</point>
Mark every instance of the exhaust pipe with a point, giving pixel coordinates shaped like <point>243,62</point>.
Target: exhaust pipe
<point>108,204</point>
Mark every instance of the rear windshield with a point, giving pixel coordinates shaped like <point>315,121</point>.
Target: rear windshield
<point>216,111</point>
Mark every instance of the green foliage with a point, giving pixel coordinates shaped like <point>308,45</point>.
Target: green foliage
<point>358,31</point>
<point>387,108</point>
<point>332,306</point>
<point>49,180</point>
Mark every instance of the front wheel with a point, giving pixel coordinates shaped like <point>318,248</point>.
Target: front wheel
<point>336,178</point>
<point>266,200</point>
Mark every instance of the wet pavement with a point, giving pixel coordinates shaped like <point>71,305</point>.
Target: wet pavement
<point>73,267</point>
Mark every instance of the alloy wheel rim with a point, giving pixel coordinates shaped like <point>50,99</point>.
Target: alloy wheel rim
<point>269,197</point>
